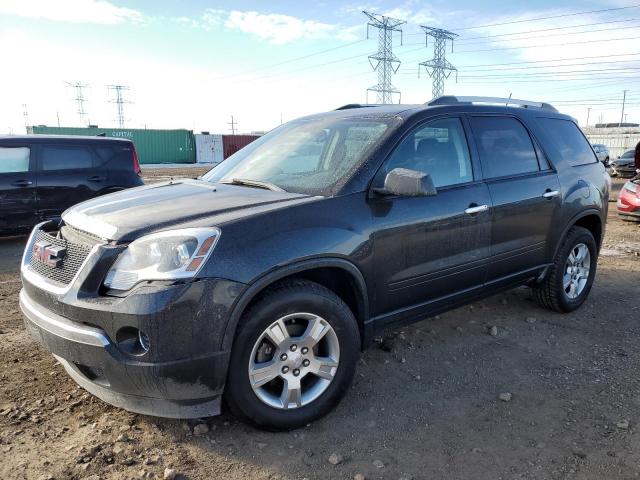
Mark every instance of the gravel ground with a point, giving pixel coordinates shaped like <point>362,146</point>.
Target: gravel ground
<point>540,396</point>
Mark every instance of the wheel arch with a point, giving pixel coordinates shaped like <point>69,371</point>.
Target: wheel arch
<point>591,219</point>
<point>337,274</point>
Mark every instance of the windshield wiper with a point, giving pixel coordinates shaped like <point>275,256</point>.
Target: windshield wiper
<point>253,183</point>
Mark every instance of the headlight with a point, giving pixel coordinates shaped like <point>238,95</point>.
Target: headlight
<point>170,255</point>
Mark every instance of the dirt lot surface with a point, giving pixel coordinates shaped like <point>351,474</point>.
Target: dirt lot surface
<point>425,403</point>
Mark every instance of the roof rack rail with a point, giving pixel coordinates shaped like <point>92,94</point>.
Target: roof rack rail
<point>452,100</point>
<point>349,106</point>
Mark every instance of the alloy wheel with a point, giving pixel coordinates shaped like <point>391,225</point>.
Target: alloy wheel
<point>294,361</point>
<point>576,271</point>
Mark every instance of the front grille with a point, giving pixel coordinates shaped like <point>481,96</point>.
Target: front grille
<point>71,262</point>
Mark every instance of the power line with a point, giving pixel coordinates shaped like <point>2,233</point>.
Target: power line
<point>554,60</point>
<point>384,61</point>
<point>291,60</point>
<point>438,68</point>
<point>551,17</point>
<point>542,66</point>
<point>549,45</point>
<point>466,39</point>
<point>536,80</point>
<point>489,38</point>
<point>564,73</point>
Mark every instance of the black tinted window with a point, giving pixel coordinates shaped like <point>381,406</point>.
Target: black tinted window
<point>438,148</point>
<point>567,142</point>
<point>65,158</point>
<point>505,146</point>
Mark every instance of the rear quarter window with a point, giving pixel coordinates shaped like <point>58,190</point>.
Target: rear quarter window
<point>566,142</point>
<point>54,157</point>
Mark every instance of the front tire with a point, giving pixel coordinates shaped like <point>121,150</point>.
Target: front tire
<point>294,356</point>
<point>571,276</point>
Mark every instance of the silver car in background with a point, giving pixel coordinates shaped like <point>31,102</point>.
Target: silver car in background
<point>602,152</point>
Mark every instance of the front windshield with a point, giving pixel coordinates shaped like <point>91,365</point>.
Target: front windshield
<point>308,156</point>
<point>628,154</point>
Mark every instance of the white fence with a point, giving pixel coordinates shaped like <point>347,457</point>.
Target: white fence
<point>618,139</point>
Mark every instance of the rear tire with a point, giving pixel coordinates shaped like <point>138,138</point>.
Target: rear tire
<point>281,324</point>
<point>571,276</point>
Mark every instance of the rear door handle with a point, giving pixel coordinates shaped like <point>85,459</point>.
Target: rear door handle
<point>476,209</point>
<point>551,194</point>
<point>22,183</point>
<point>96,178</point>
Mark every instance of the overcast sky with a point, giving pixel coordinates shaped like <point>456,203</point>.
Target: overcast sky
<point>194,64</point>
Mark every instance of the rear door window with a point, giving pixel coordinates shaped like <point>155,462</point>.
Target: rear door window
<point>65,158</point>
<point>567,141</point>
<point>14,159</point>
<point>505,146</point>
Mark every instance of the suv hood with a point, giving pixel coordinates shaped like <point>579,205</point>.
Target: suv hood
<point>129,214</point>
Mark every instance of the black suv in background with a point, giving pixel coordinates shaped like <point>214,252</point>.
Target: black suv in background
<point>263,280</point>
<point>43,175</point>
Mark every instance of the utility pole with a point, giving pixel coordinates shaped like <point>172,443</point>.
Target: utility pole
<point>80,100</point>
<point>384,61</point>
<point>438,68</point>
<point>624,100</point>
<point>233,124</point>
<point>119,101</point>
<point>25,114</point>
<point>588,115</point>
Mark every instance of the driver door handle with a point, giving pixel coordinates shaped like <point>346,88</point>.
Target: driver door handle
<point>22,183</point>
<point>551,194</point>
<point>476,209</point>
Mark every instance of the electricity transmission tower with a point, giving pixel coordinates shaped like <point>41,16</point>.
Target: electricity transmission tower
<point>438,68</point>
<point>79,98</point>
<point>25,114</point>
<point>384,61</point>
<point>119,101</point>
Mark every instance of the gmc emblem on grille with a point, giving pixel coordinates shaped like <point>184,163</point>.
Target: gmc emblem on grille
<point>49,254</point>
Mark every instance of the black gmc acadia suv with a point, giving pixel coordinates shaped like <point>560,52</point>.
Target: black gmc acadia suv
<point>262,281</point>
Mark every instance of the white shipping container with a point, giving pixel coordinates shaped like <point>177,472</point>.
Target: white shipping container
<point>209,148</point>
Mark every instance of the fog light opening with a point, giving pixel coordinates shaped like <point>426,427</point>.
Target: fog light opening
<point>132,341</point>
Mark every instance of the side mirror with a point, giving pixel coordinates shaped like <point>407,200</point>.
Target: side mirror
<point>403,182</point>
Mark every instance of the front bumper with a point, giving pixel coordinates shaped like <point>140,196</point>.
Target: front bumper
<point>182,375</point>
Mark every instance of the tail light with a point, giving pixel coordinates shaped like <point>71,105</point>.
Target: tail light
<point>136,162</point>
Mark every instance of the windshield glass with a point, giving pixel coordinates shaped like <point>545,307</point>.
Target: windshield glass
<point>308,156</point>
<point>628,154</point>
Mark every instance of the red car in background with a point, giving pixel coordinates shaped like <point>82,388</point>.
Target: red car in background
<point>629,201</point>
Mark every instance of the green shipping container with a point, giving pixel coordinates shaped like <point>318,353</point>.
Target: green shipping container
<point>153,146</point>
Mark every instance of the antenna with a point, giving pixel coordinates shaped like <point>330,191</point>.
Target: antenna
<point>80,100</point>
<point>119,101</point>
<point>438,67</point>
<point>384,61</point>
